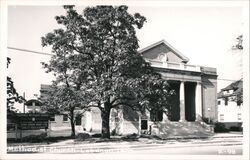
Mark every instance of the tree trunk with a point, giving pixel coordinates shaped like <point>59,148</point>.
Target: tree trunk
<point>105,113</point>
<point>72,123</point>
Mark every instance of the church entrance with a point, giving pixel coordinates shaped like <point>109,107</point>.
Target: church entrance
<point>190,101</point>
<point>174,109</point>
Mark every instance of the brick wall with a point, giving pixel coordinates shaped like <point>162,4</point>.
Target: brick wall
<point>209,96</point>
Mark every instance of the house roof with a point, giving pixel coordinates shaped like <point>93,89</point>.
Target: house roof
<point>178,53</point>
<point>237,88</point>
<point>234,86</point>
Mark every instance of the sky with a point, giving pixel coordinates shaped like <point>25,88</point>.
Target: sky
<point>203,34</point>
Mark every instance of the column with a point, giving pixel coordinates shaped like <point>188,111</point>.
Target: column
<point>88,123</point>
<point>198,100</point>
<point>139,124</point>
<point>182,102</point>
<point>119,125</point>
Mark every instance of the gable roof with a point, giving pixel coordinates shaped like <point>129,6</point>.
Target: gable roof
<point>234,86</point>
<point>237,88</point>
<point>178,53</point>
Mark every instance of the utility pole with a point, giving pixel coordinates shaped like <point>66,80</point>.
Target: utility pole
<point>24,102</point>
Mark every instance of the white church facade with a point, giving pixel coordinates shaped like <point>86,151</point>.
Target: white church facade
<point>195,99</point>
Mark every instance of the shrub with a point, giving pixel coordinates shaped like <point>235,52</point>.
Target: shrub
<point>208,120</point>
<point>82,136</point>
<point>35,138</point>
<point>97,135</point>
<point>220,127</point>
<point>133,136</point>
<point>236,128</point>
<point>113,132</point>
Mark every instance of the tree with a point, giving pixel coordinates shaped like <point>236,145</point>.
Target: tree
<point>98,51</point>
<point>12,94</point>
<point>238,84</point>
<point>239,41</point>
<point>64,99</point>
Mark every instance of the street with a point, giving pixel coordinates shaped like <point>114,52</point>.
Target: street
<point>216,145</point>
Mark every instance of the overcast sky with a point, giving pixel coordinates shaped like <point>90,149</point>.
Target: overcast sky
<point>203,34</point>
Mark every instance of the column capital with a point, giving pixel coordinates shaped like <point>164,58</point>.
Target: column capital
<point>198,82</point>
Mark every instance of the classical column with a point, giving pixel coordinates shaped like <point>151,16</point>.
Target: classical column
<point>182,102</point>
<point>120,121</point>
<point>88,121</point>
<point>198,100</point>
<point>139,124</point>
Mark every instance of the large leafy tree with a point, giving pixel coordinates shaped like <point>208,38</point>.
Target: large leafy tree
<point>12,94</point>
<point>97,50</point>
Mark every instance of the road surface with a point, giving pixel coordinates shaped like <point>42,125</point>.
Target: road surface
<point>211,146</point>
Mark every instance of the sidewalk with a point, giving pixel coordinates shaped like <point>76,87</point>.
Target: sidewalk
<point>118,139</point>
<point>215,135</point>
<point>142,145</point>
<point>228,135</point>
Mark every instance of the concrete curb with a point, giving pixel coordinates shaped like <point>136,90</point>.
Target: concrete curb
<point>175,138</point>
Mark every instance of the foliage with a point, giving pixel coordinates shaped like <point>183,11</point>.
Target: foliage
<point>236,128</point>
<point>64,99</point>
<point>208,120</point>
<point>82,136</point>
<point>239,46</point>
<point>12,94</point>
<point>239,41</point>
<point>220,127</point>
<point>96,54</point>
<point>131,137</point>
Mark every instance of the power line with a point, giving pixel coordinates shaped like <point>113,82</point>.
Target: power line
<point>26,50</point>
<point>48,54</point>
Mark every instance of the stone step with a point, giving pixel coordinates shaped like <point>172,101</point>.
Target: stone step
<point>171,129</point>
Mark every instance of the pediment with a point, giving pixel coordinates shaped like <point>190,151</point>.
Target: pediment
<point>163,51</point>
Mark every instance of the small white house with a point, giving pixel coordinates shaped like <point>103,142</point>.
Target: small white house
<point>60,122</point>
<point>230,105</point>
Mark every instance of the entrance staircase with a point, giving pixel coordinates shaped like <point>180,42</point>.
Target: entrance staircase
<point>182,129</point>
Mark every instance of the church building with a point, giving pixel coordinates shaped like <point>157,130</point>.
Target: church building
<point>195,99</point>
